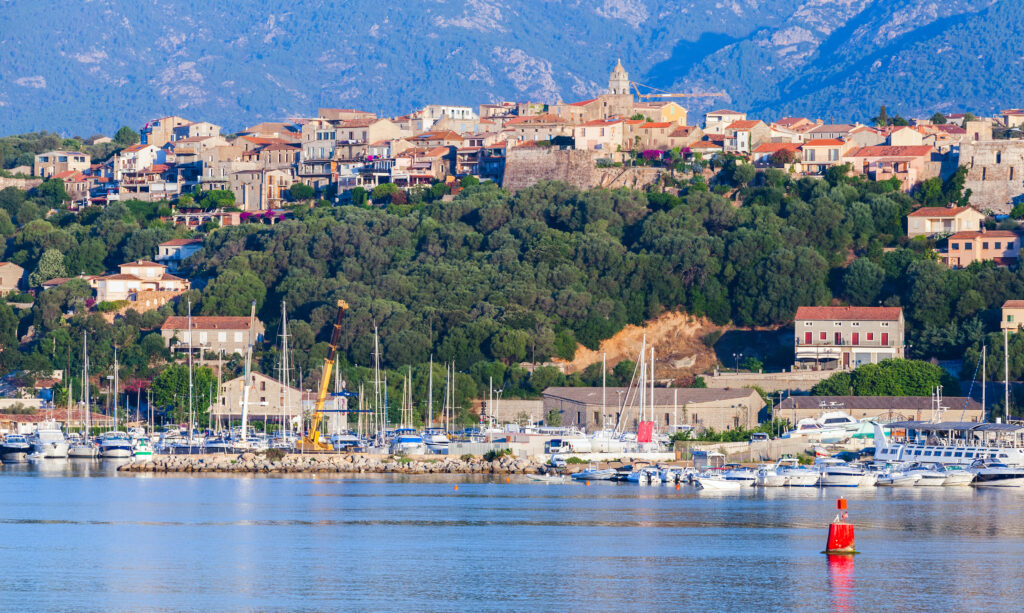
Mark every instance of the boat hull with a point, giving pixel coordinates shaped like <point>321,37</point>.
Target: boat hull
<point>833,480</point>
<point>719,485</point>
<point>998,480</point>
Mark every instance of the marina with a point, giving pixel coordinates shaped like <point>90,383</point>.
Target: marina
<point>279,542</point>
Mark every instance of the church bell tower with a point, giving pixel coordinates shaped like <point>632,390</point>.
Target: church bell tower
<point>618,82</point>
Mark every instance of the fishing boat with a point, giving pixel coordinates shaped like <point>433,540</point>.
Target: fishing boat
<point>15,448</point>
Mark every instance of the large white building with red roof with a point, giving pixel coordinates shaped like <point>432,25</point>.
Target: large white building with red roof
<point>211,334</point>
<point>935,220</point>
<point>138,280</point>
<point>846,337</point>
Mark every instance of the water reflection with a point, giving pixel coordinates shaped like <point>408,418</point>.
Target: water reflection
<point>841,582</point>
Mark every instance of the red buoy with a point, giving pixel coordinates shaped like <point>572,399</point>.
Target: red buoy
<point>840,533</point>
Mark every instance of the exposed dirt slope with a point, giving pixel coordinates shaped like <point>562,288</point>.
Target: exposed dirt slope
<point>679,349</point>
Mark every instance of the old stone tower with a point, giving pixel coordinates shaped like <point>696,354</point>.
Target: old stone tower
<point>618,82</point>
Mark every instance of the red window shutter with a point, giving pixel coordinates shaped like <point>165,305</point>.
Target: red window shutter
<point>885,339</point>
<point>839,338</point>
<point>856,338</point>
<point>822,336</point>
<point>807,338</point>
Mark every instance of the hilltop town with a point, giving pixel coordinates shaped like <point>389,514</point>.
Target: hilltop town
<point>831,236</point>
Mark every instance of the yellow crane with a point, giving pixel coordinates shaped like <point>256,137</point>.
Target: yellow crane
<point>664,94</point>
<point>312,442</point>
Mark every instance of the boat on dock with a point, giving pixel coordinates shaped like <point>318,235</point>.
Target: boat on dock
<point>989,473</point>
<point>718,483</point>
<point>14,449</point>
<point>49,441</point>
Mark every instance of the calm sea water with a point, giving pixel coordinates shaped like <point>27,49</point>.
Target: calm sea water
<point>79,537</point>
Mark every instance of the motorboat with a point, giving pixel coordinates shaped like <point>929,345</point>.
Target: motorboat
<point>767,476</point>
<point>718,483</point>
<point>671,475</point>
<point>115,445</point>
<point>84,448</point>
<point>837,473</point>
<point>593,473</point>
<point>15,448</point>
<point>795,474</point>
<point>436,440</point>
<point>645,475</point>
<point>547,478</point>
<point>955,475</point>
<point>343,441</point>
<point>746,476</point>
<point>895,476</point>
<point>49,440</point>
<point>929,476</point>
<point>407,442</point>
<point>988,473</point>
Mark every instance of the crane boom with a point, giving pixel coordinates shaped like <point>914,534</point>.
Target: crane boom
<point>664,94</point>
<point>312,440</point>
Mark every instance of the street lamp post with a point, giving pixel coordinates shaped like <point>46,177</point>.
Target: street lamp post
<point>736,357</point>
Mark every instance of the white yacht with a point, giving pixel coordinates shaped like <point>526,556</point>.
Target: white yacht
<point>929,476</point>
<point>407,441</point>
<point>436,440</point>
<point>15,448</point>
<point>115,445</point>
<point>795,474</point>
<point>746,476</point>
<point>768,476</point>
<point>49,441</point>
<point>717,483</point>
<point>989,473</point>
<point>896,477</point>
<point>955,474</point>
<point>837,473</point>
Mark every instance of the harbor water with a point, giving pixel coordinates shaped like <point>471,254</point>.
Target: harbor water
<point>81,537</point>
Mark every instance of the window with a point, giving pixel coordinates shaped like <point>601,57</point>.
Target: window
<point>263,386</point>
<point>222,337</point>
<point>885,324</point>
<point>1009,318</point>
<point>871,336</point>
<point>856,338</point>
<point>837,323</point>
<point>885,339</point>
<point>956,246</point>
<point>822,336</point>
<point>855,324</point>
<point>238,337</point>
<point>1010,244</point>
<point>839,338</point>
<point>999,244</point>
<point>807,338</point>
<point>984,245</point>
<point>807,323</point>
<point>597,417</point>
<point>968,246</point>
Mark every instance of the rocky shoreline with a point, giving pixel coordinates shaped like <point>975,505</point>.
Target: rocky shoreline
<point>333,463</point>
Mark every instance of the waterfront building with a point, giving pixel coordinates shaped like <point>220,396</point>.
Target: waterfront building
<point>269,400</point>
<point>594,408</point>
<point>845,337</point>
<point>955,408</point>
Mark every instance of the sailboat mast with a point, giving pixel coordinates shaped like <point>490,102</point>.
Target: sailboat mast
<point>85,380</point>
<point>189,325</point>
<point>984,410</point>
<point>284,367</point>
<point>1006,375</point>
<point>652,383</point>
<point>115,389</point>
<point>604,390</point>
<point>248,373</point>
<point>430,393</point>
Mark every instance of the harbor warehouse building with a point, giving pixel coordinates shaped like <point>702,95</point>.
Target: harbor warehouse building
<point>955,408</point>
<point>589,408</point>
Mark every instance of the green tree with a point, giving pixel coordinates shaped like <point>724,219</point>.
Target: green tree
<point>863,282</point>
<point>8,338</point>
<point>938,119</point>
<point>52,191</point>
<point>125,137</point>
<point>358,196</point>
<point>301,191</point>
<point>544,377</point>
<point>382,193</point>
<point>50,266</point>
<point>171,389</point>
<point>232,292</point>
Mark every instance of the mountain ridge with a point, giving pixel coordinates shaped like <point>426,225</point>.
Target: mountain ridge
<point>237,65</point>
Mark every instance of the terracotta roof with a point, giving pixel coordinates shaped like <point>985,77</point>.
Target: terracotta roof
<point>939,211</point>
<point>442,134</point>
<point>146,263</point>
<point>786,122</point>
<point>602,122</point>
<point>950,128</point>
<point>773,147</point>
<point>725,112</point>
<point>179,242</point>
<point>848,313</point>
<point>744,124</point>
<point>582,102</point>
<point>1013,304</point>
<point>705,145</point>
<point>280,147</point>
<point>823,142</point>
<point>656,124</point>
<point>833,127</point>
<point>134,148</point>
<point>881,151</point>
<point>204,322</point>
<point>987,234</point>
<point>682,131</point>
<point>531,119</point>
<point>1013,112</point>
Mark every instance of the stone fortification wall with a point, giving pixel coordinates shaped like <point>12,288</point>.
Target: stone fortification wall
<point>526,166</point>
<point>23,184</point>
<point>995,173</point>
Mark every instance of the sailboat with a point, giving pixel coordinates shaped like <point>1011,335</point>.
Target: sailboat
<point>435,439</point>
<point>115,444</point>
<point>84,448</point>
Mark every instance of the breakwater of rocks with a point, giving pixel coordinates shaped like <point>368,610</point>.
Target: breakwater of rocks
<point>333,463</point>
